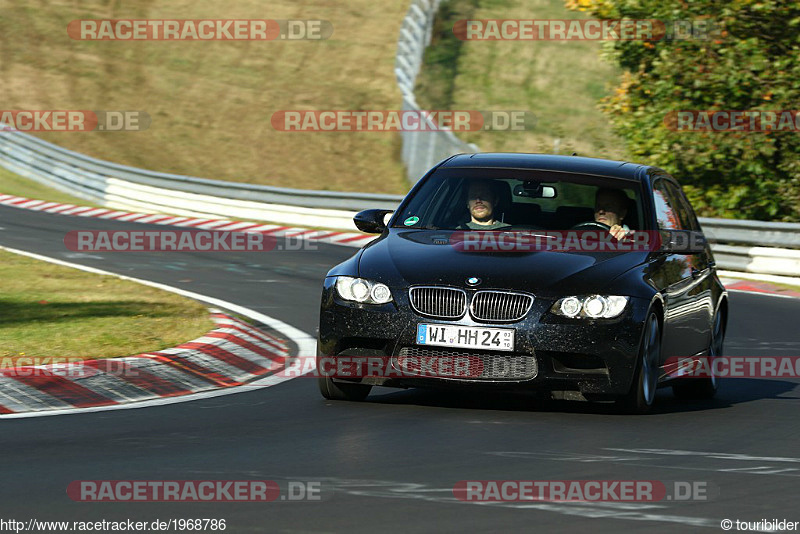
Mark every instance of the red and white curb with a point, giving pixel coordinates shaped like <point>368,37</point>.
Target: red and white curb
<point>349,239</point>
<point>232,354</point>
<point>755,286</point>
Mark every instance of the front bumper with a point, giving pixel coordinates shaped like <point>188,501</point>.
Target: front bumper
<point>594,357</point>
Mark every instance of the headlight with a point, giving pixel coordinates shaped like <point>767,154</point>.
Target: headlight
<point>570,306</point>
<point>361,290</point>
<point>593,307</point>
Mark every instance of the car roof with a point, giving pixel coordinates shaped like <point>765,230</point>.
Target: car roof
<point>549,162</point>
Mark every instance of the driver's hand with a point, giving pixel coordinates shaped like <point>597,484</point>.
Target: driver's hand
<point>618,232</point>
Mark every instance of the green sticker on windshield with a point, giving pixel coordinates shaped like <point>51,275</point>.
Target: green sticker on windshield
<point>411,221</point>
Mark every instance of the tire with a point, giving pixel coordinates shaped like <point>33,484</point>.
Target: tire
<point>642,394</point>
<point>342,391</point>
<point>704,388</point>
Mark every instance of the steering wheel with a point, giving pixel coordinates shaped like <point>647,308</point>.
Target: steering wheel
<point>591,224</point>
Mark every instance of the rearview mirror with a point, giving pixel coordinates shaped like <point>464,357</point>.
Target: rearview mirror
<point>371,221</point>
<point>532,189</point>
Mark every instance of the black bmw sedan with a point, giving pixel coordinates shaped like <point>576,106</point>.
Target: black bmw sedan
<point>584,278</point>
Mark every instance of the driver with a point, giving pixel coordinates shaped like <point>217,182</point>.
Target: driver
<point>610,207</point>
<point>481,201</point>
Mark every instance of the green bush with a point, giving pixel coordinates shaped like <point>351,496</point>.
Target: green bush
<point>751,61</point>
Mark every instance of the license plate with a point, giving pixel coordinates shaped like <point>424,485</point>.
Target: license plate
<point>467,337</point>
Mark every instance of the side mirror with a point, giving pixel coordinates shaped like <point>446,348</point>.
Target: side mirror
<point>371,221</point>
<point>682,242</point>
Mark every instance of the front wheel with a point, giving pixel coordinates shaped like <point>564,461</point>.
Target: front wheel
<point>640,398</point>
<point>342,391</point>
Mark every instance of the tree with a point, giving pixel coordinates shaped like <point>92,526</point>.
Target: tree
<point>750,60</point>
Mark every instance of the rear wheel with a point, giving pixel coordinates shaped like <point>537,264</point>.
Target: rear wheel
<point>706,387</point>
<point>640,398</point>
<point>342,391</point>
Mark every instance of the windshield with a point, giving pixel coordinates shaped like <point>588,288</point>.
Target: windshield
<point>513,199</point>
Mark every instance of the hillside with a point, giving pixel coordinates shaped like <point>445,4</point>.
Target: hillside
<point>561,82</point>
<point>211,102</point>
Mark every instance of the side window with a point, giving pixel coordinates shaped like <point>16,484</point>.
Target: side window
<point>685,213</point>
<point>666,213</point>
<point>678,203</point>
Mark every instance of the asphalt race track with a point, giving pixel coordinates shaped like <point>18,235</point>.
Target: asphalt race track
<point>391,463</point>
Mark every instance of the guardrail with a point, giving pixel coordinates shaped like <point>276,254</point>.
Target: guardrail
<point>758,260</point>
<point>421,150</point>
<point>770,248</point>
<point>128,188</point>
<point>755,233</point>
<point>766,251</point>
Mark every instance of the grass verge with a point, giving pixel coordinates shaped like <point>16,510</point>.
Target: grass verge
<point>787,287</point>
<point>561,82</point>
<point>50,311</point>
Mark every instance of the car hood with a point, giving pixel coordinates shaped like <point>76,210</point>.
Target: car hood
<point>412,257</point>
